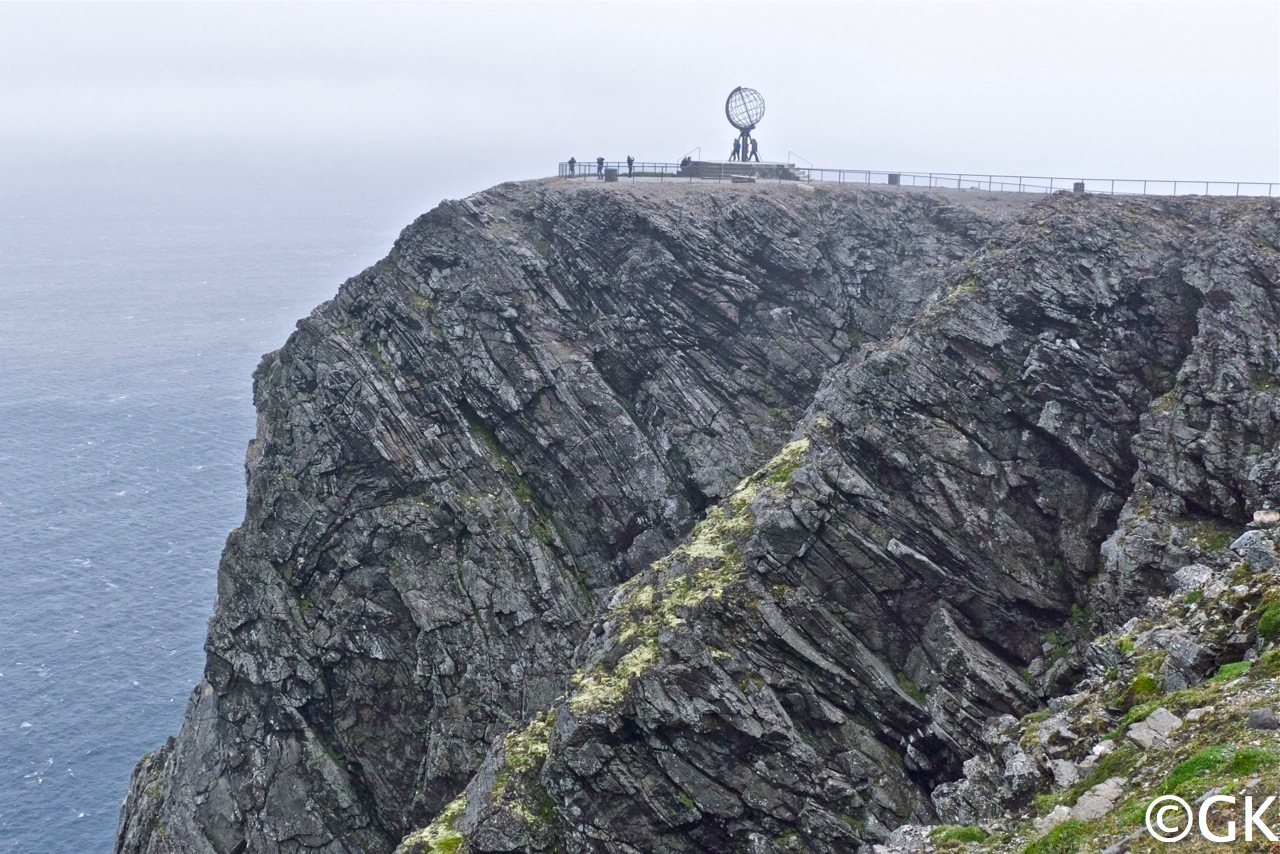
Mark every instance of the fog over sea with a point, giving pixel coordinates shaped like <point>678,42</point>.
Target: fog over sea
<point>138,291</point>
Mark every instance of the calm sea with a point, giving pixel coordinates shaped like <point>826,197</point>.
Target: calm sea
<point>137,293</point>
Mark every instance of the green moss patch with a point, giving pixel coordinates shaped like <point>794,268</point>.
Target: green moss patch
<point>601,687</point>
<point>1269,622</point>
<point>1268,664</point>
<point>439,837</point>
<point>1066,838</point>
<point>1250,760</point>
<point>524,751</point>
<point>1038,717</point>
<point>1143,688</point>
<point>783,466</point>
<point>702,568</point>
<point>911,689</point>
<point>1204,761</point>
<point>1231,671</point>
<point>517,786</point>
<point>1210,535</point>
<point>952,834</point>
<point>1164,403</point>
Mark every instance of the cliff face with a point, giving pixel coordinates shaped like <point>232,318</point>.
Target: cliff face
<point>503,531</point>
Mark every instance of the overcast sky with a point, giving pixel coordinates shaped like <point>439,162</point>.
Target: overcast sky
<point>1158,90</point>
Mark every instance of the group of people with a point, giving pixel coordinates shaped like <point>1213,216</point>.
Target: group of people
<point>631,166</point>
<point>740,154</point>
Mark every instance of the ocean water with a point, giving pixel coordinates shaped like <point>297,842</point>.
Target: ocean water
<point>137,293</point>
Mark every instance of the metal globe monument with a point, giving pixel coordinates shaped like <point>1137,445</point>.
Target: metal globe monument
<point>744,108</point>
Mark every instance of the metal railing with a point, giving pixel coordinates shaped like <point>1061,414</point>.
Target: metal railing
<point>928,180</point>
<point>639,169</point>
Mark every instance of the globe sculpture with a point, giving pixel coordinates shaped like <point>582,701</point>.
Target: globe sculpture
<point>744,108</point>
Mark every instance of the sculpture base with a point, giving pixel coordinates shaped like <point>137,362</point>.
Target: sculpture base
<point>724,170</point>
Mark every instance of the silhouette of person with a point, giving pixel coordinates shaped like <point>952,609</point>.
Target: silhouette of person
<point>631,161</point>
<point>755,150</point>
<point>573,161</point>
<point>600,167</point>
<point>737,147</point>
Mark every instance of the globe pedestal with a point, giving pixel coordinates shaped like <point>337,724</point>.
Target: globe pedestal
<point>724,170</point>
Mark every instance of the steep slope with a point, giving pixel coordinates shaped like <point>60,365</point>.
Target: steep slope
<point>1089,405</point>
<point>534,396</point>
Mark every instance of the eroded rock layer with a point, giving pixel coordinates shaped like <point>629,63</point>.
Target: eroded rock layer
<point>503,533</point>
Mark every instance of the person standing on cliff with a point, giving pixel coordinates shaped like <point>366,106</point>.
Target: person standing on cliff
<point>631,162</point>
<point>573,161</point>
<point>600,167</point>
<point>755,150</point>
<point>737,147</point>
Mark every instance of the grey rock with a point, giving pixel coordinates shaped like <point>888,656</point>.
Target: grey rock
<point>1191,577</point>
<point>1065,772</point>
<point>1122,846</point>
<point>1266,518</point>
<point>908,839</point>
<point>1186,661</point>
<point>1258,549</point>
<point>1099,800</point>
<point>1096,752</point>
<point>1263,719</point>
<point>1052,819</point>
<point>993,411</point>
<point>1155,729</point>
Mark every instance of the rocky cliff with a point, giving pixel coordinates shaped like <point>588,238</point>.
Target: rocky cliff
<point>684,517</point>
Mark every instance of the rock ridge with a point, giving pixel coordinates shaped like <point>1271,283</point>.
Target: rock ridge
<point>505,563</point>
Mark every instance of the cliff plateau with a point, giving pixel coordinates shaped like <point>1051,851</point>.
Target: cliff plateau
<point>700,517</point>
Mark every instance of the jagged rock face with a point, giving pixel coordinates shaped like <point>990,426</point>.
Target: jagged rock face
<point>1207,453</point>
<point>1086,398</point>
<point>537,394</point>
